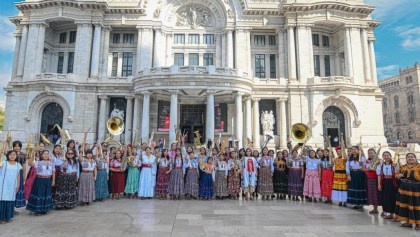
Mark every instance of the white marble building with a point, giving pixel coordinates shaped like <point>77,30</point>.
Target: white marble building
<point>208,65</point>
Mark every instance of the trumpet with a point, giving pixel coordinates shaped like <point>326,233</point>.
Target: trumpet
<point>29,148</point>
<point>375,162</point>
<point>396,158</point>
<point>64,134</point>
<point>84,143</point>
<point>197,142</point>
<point>266,140</point>
<point>45,139</point>
<point>343,146</point>
<point>9,140</point>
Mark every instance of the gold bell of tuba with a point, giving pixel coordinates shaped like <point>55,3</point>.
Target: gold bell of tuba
<point>300,133</point>
<point>115,126</point>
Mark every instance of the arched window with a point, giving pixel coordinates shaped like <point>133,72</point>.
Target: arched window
<point>396,102</point>
<point>399,135</point>
<point>388,135</point>
<point>397,117</point>
<point>412,115</point>
<point>385,103</point>
<point>411,135</point>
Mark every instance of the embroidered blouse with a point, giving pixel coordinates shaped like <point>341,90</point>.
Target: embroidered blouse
<point>312,164</point>
<point>88,165</point>
<point>44,167</point>
<point>68,168</point>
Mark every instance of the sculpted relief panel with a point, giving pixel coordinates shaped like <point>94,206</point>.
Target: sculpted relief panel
<point>194,16</point>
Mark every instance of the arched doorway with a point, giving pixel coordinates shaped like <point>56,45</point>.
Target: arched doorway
<point>52,114</point>
<point>334,125</point>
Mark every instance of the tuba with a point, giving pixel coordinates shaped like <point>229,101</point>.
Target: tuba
<point>266,140</point>
<point>115,126</point>
<point>300,133</point>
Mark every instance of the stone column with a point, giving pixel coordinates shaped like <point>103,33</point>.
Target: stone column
<point>256,121</point>
<point>229,49</point>
<point>138,50</point>
<point>282,122</point>
<point>83,48</point>
<point>248,118</point>
<point>146,117</point>
<point>210,116</point>
<point>22,51</point>
<point>35,49</point>
<point>173,115</point>
<point>39,57</point>
<point>282,62</point>
<point>347,52</point>
<point>243,49</point>
<point>16,55</point>
<point>218,56</point>
<point>372,61</point>
<point>136,119</point>
<point>129,120</point>
<point>144,59</point>
<point>239,118</point>
<point>94,69</point>
<point>366,57</point>
<point>159,48</point>
<point>102,118</point>
<point>169,58</point>
<point>291,53</point>
<point>105,51</point>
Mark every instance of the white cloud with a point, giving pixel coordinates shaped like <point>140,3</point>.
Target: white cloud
<point>387,71</point>
<point>410,37</point>
<point>6,34</point>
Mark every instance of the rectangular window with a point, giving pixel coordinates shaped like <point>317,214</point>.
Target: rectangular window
<point>115,38</point>
<point>70,65</point>
<point>179,59</point>
<point>114,65</point>
<point>193,38</point>
<point>272,40</point>
<point>327,65</point>
<point>63,38</point>
<point>317,66</point>
<point>208,39</point>
<point>127,65</point>
<point>72,37</point>
<point>60,62</point>
<point>208,59</point>
<point>260,65</point>
<point>179,39</point>
<point>325,41</point>
<point>272,66</point>
<point>259,39</point>
<point>128,39</point>
<point>315,39</point>
<point>193,59</point>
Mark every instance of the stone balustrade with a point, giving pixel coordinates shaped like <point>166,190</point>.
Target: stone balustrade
<point>330,80</point>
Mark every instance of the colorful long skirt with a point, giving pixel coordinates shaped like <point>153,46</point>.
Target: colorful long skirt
<point>67,194</point>
<point>20,195</point>
<point>176,182</point>
<point>312,186</point>
<point>206,185</point>
<point>86,187</point>
<point>357,188</point>
<point>408,202</point>
<point>191,183</point>
<point>7,210</point>
<point>30,178</point>
<point>117,183</point>
<point>101,185</point>
<point>40,200</point>
<point>132,184</point>
<point>280,181</point>
<point>374,196</point>
<point>162,183</point>
<point>340,186</point>
<point>220,185</point>
<point>265,182</point>
<point>389,195</point>
<point>234,183</point>
<point>295,185</point>
<point>327,182</point>
<point>57,174</point>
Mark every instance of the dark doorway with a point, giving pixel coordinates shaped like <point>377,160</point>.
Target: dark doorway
<point>193,119</point>
<point>334,125</point>
<point>52,114</point>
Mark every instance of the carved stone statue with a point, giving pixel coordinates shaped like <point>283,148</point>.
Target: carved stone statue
<point>267,121</point>
<point>194,16</point>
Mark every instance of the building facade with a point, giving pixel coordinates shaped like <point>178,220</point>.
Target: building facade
<point>207,65</point>
<point>400,105</point>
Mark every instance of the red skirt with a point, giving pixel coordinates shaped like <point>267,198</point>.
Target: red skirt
<point>327,179</point>
<point>374,196</point>
<point>118,182</point>
<point>162,182</point>
<point>30,178</point>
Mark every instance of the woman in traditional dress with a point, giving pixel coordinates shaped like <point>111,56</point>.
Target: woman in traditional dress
<point>87,178</point>
<point>221,173</point>
<point>147,180</point>
<point>265,176</point>
<point>234,182</point>
<point>327,176</point>
<point>30,177</point>
<point>206,183</point>
<point>40,202</point>
<point>67,193</point>
<point>191,183</point>
<point>295,177</point>
<point>21,159</point>
<point>280,176</point>
<point>312,187</point>
<point>10,176</point>
<point>163,175</point>
<point>387,184</point>
<point>176,178</point>
<point>118,175</point>
<point>374,196</point>
<point>357,179</point>
<point>249,174</point>
<point>407,208</point>
<point>132,183</point>
<point>102,167</point>
<point>340,186</point>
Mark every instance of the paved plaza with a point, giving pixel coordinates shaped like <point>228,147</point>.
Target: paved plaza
<point>204,218</point>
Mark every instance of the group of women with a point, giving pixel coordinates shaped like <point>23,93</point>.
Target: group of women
<point>66,177</point>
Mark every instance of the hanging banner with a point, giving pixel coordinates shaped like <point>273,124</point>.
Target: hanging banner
<point>220,117</point>
<point>164,108</point>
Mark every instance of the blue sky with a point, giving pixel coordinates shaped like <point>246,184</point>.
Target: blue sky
<point>397,38</point>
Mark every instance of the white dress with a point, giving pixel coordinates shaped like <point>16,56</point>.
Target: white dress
<point>147,180</point>
<point>8,181</point>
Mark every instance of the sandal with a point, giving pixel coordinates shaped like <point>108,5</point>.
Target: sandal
<point>417,227</point>
<point>374,212</point>
<point>406,225</point>
<point>389,217</point>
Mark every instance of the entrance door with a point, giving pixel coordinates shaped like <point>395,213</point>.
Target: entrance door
<point>52,114</point>
<point>334,125</point>
<point>193,119</point>
<point>333,133</point>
